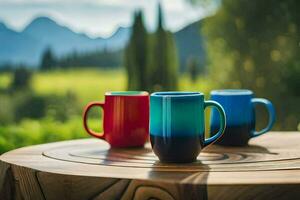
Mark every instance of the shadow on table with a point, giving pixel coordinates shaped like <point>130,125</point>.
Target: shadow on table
<point>245,149</point>
<point>128,156</point>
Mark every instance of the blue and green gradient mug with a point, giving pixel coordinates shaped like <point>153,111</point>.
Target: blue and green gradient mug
<point>239,106</point>
<point>177,125</point>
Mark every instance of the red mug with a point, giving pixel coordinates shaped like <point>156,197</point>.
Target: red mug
<point>126,118</point>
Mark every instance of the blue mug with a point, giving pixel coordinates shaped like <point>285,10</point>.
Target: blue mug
<point>239,106</point>
<point>177,125</point>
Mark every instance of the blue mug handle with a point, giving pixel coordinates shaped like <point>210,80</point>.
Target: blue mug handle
<point>221,111</point>
<point>271,112</point>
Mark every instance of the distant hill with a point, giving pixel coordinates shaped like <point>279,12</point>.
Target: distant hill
<point>190,43</point>
<point>18,47</point>
<point>61,39</point>
<point>119,39</point>
<point>28,45</point>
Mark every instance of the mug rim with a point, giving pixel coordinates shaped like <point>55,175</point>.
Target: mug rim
<point>231,92</point>
<point>127,93</point>
<point>176,94</point>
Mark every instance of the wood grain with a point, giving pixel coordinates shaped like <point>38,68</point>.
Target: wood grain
<point>6,182</point>
<point>72,187</point>
<point>269,168</point>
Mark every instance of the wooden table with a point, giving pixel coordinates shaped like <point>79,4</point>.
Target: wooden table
<point>269,168</point>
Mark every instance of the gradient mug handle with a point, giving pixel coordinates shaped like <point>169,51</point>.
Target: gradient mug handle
<point>221,111</point>
<point>271,112</point>
<point>85,113</point>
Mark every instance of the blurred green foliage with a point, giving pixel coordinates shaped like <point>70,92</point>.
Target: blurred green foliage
<point>256,45</point>
<point>29,132</point>
<point>19,101</point>
<point>28,118</point>
<point>7,110</point>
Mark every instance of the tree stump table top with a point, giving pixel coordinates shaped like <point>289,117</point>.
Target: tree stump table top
<point>268,168</point>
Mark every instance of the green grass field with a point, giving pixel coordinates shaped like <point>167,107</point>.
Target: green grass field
<point>91,84</point>
<point>5,79</point>
<point>88,85</point>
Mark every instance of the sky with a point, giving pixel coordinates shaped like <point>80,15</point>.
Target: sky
<point>100,17</point>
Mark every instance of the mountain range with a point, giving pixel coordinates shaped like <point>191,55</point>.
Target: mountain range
<point>27,45</point>
<point>190,45</point>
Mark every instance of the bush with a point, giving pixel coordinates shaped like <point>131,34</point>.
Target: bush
<point>6,110</point>
<point>28,105</point>
<point>62,108</point>
<point>21,79</point>
<point>30,132</point>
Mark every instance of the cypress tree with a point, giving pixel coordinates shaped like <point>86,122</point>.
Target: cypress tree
<point>136,55</point>
<point>151,59</point>
<point>165,61</point>
<point>193,68</point>
<point>48,61</point>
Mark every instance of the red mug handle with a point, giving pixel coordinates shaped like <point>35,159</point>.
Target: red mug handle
<point>85,113</point>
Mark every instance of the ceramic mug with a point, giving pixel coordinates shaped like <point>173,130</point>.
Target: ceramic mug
<point>177,125</point>
<point>239,106</point>
<point>125,120</point>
